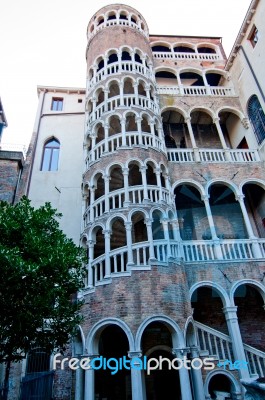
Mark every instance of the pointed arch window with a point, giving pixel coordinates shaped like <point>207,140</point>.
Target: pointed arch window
<point>50,155</point>
<point>257,118</point>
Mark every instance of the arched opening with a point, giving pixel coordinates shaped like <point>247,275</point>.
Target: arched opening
<point>128,86</point>
<point>255,205</point>
<point>150,174</point>
<point>220,387</point>
<point>161,48</point>
<point>214,79</point>
<point>183,49</point>
<point>137,58</point>
<point>233,130</point>
<point>100,21</point>
<point>100,133</point>
<point>100,65</point>
<point>157,227</point>
<point>112,58</point>
<point>135,176</point>
<point>191,79</point>
<point>114,90</point>
<point>204,131</point>
<point>166,78</point>
<point>192,217</point>
<point>161,383</point>
<point>130,124</point>
<point>141,90</point>
<point>123,16</point>
<point>139,231</point>
<point>208,310</point>
<point>175,130</point>
<point>116,178</point>
<point>99,186</point>
<point>206,50</point>
<point>111,16</point>
<point>251,317</point>
<point>114,125</point>
<point>226,212</point>
<point>113,343</point>
<point>118,235</point>
<point>145,127</point>
<point>100,97</point>
<point>99,246</point>
<point>125,56</point>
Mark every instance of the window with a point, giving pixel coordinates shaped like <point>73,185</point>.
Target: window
<point>50,155</point>
<point>254,36</point>
<point>257,118</point>
<point>57,104</point>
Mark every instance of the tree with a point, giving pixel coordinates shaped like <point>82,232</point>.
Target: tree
<point>41,269</point>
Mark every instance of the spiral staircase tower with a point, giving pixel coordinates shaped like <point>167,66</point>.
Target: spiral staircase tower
<point>130,229</point>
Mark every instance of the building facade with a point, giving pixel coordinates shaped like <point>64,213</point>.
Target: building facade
<point>158,170</point>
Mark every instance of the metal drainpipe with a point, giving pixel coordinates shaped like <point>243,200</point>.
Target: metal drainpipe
<point>35,144</point>
<point>17,184</point>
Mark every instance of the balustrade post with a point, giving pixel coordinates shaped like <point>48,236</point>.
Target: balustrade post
<point>136,94</point>
<point>125,172</point>
<point>139,129</point>
<point>123,131</point>
<point>121,94</point>
<point>143,172</point>
<point>128,227</point>
<point>196,376</point>
<point>184,378</point>
<point>235,335</point>
<point>148,223</point>
<point>166,236</point>
<point>107,234</point>
<point>193,142</point>
<point>106,192</point>
<point>106,138</point>
<point>252,237</point>
<point>92,200</point>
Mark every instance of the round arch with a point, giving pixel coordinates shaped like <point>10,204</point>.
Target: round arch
<point>93,336</point>
<point>177,335</point>
<point>219,289</point>
<point>251,282</point>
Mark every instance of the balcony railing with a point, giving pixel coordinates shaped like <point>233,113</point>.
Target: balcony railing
<point>196,90</point>
<point>164,251</point>
<point>213,155</point>
<point>127,101</point>
<point>118,67</point>
<point>185,56</point>
<point>115,22</point>
<point>131,139</point>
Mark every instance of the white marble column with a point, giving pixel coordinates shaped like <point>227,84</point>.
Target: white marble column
<point>235,335</point>
<point>128,227</point>
<point>184,378</point>
<point>196,376</point>
<point>107,234</point>
<point>148,223</point>
<point>136,378</point>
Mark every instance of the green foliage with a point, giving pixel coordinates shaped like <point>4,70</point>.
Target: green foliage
<point>41,271</point>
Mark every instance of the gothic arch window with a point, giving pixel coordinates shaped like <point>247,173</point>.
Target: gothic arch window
<point>257,118</point>
<point>50,155</point>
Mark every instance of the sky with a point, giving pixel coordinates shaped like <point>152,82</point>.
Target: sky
<point>43,42</point>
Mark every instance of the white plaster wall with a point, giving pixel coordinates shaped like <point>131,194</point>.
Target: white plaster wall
<point>63,187</point>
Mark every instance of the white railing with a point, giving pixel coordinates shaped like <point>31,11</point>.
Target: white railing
<point>129,100</point>
<point>213,155</point>
<point>114,22</point>
<point>118,67</point>
<point>219,345</point>
<point>185,56</point>
<point>222,249</point>
<point>196,90</point>
<point>115,199</point>
<point>113,143</point>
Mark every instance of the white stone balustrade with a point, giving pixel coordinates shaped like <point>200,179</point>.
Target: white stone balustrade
<point>213,155</point>
<point>185,56</point>
<point>182,90</point>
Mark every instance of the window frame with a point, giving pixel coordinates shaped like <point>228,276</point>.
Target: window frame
<point>257,118</point>
<point>57,104</point>
<point>49,157</point>
<point>253,36</point>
